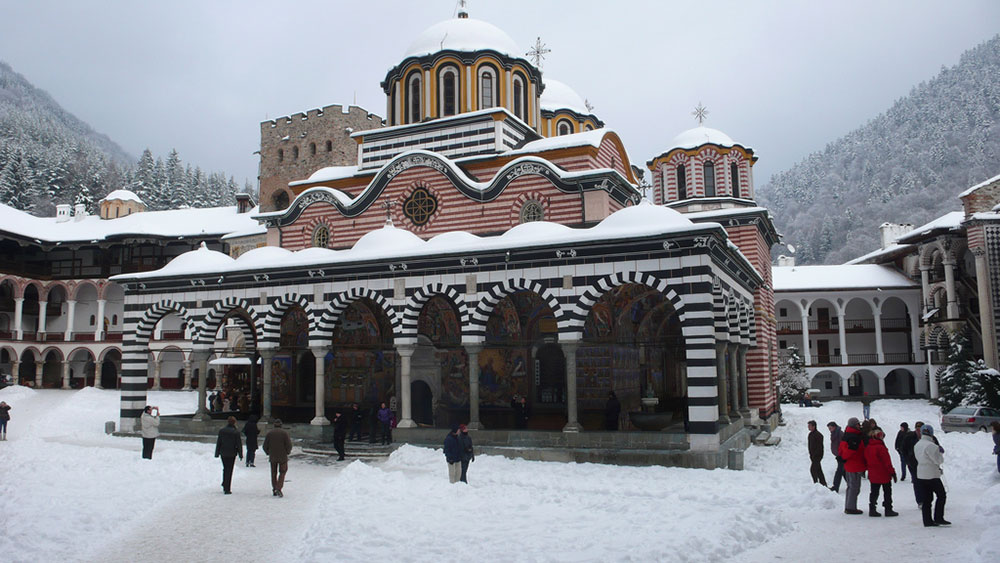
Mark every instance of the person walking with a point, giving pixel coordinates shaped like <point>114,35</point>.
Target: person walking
<point>852,451</point>
<point>453,455</point>
<point>930,457</point>
<point>835,436</point>
<point>357,417</point>
<point>909,443</point>
<point>251,431</point>
<point>612,411</point>
<point>228,446</point>
<point>995,426</point>
<point>904,431</point>
<point>815,453</point>
<point>880,473</point>
<point>866,405</point>
<point>150,424</point>
<point>468,455</point>
<point>339,434</point>
<point>277,446</point>
<point>4,419</point>
<point>384,422</point>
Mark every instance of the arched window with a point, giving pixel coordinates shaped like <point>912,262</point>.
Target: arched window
<point>413,87</point>
<point>114,320</point>
<point>520,98</point>
<point>532,210</point>
<point>280,200</point>
<point>295,153</point>
<point>734,173</point>
<point>321,237</point>
<point>329,146</point>
<point>682,185</point>
<point>93,320</point>
<point>281,155</point>
<point>564,127</point>
<point>487,87</point>
<point>709,179</point>
<point>312,149</point>
<point>448,85</point>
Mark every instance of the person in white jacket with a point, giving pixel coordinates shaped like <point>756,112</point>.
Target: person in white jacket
<point>150,430</point>
<point>930,457</point>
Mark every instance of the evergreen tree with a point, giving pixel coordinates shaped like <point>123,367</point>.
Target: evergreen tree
<point>958,382</point>
<point>83,196</point>
<point>793,380</point>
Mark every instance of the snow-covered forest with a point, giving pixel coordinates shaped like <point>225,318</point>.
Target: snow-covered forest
<point>48,156</point>
<point>907,165</point>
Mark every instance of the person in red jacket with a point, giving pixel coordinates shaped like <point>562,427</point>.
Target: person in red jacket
<point>880,472</point>
<point>852,451</point>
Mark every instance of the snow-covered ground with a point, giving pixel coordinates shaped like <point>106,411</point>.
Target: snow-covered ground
<point>69,492</point>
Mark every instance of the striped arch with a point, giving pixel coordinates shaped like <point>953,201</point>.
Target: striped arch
<point>212,321</point>
<point>271,331</point>
<point>328,319</point>
<point>489,301</point>
<point>135,358</point>
<point>746,312</point>
<point>735,312</point>
<point>153,315</point>
<point>720,305</point>
<point>415,304</point>
<point>593,293</point>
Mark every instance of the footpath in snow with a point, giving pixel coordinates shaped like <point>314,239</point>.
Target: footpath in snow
<point>70,492</point>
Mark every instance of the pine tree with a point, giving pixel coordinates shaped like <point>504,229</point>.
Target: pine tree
<point>793,380</point>
<point>83,196</point>
<point>958,381</point>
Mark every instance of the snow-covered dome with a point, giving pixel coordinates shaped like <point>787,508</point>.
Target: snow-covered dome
<point>558,95</point>
<point>388,238</point>
<point>535,232</point>
<point>453,239</point>
<point>201,260</point>
<point>699,136</point>
<point>263,257</point>
<point>464,35</point>
<point>122,195</point>
<point>314,254</point>
<point>641,217</point>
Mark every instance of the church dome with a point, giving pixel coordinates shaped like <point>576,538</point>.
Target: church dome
<point>463,35</point>
<point>199,261</point>
<point>558,95</point>
<point>122,195</point>
<point>693,138</point>
<point>387,239</point>
<point>642,217</point>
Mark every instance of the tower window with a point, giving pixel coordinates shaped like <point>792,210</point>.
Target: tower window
<point>281,155</point>
<point>414,98</point>
<point>734,172</point>
<point>449,91</point>
<point>682,192</point>
<point>487,88</point>
<point>312,148</point>
<point>329,146</point>
<point>519,98</point>
<point>709,179</point>
<point>295,153</point>
<point>564,127</point>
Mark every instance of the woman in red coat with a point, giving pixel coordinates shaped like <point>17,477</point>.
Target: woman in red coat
<point>880,473</point>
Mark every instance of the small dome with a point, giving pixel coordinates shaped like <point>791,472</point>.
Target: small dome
<point>641,217</point>
<point>197,261</point>
<point>465,35</point>
<point>263,257</point>
<point>388,239</point>
<point>557,96</point>
<point>122,195</point>
<point>453,239</point>
<point>693,138</point>
<point>314,254</point>
<point>535,232</point>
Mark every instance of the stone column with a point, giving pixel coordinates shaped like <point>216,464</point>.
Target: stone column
<point>200,359</point>
<point>406,417</point>
<point>157,366</point>
<point>806,355</point>
<point>187,375</point>
<point>98,372</point>
<point>18,323</point>
<point>65,374</point>
<point>39,367</point>
<point>989,333</point>
<point>845,389</point>
<point>879,350</point>
<point>472,350</point>
<point>881,384</point>
<point>744,386</point>
<point>320,419</point>
<point>949,282</point>
<point>734,381</point>
<point>42,306</point>
<point>721,382</point>
<point>842,333</point>
<point>569,349</point>
<point>99,329</point>
<point>266,355</point>
<point>925,287</point>
<point>15,370</point>
<point>70,319</point>
<point>931,380</point>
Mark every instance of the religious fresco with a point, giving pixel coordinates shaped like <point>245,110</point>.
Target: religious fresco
<point>282,368</point>
<point>454,377</point>
<point>518,322</point>
<point>359,326</point>
<point>294,329</point>
<point>502,374</point>
<point>439,323</point>
<point>361,368</point>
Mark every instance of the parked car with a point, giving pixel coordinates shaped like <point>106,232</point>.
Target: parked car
<point>969,419</point>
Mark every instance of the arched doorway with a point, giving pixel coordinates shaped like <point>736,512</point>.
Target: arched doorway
<point>828,383</point>
<point>287,370</point>
<point>900,382</point>
<point>109,369</point>
<point>862,382</point>
<point>361,366</point>
<point>550,375</point>
<point>27,369</point>
<point>440,362</point>
<point>52,370</point>
<point>422,401</point>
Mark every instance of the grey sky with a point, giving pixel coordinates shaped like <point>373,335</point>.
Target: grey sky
<point>784,77</point>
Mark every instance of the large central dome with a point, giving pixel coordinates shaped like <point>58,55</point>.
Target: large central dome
<point>464,35</point>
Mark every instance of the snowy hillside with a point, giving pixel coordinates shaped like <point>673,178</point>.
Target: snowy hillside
<point>907,165</point>
<point>69,492</point>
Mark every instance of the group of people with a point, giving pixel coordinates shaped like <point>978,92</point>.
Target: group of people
<point>458,452</point>
<point>860,449</point>
<point>230,401</point>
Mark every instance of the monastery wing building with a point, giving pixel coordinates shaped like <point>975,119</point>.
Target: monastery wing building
<point>482,247</point>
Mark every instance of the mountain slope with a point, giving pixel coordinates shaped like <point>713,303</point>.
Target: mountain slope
<point>906,165</point>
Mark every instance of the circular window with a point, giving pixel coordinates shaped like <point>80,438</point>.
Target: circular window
<point>321,237</point>
<point>532,211</point>
<point>420,206</point>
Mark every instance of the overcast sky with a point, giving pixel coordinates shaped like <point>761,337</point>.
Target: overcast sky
<point>784,77</point>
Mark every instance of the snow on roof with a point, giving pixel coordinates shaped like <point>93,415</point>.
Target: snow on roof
<point>328,174</point>
<point>464,35</point>
<point>557,96</point>
<point>887,251</point>
<point>693,138</point>
<point>199,260</point>
<point>592,138</point>
<point>210,221</point>
<point>123,195</point>
<point>979,185</point>
<point>856,276</point>
<point>949,221</point>
<point>390,242</point>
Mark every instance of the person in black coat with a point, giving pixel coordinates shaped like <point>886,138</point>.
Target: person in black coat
<point>339,433</point>
<point>228,446</point>
<point>465,441</point>
<point>908,443</point>
<point>816,453</point>
<point>453,455</point>
<point>904,431</point>
<point>356,418</point>
<point>251,431</point>
<point>612,411</point>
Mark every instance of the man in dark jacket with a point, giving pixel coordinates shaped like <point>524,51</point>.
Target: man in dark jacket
<point>453,455</point>
<point>251,431</point>
<point>835,434</point>
<point>228,446</point>
<point>339,433</point>
<point>612,410</point>
<point>277,446</point>
<point>468,455</point>
<point>904,431</point>
<point>816,453</point>
<point>356,418</point>
<point>852,451</point>
<point>909,442</point>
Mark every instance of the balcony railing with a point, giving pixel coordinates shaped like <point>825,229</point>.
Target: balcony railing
<point>899,358</point>
<point>864,325</point>
<point>852,359</point>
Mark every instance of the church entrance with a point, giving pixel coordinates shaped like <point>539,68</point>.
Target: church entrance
<point>422,403</point>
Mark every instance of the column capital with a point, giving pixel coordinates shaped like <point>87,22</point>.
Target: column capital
<point>405,350</point>
<point>267,353</point>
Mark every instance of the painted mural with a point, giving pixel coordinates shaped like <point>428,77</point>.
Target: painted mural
<point>502,374</point>
<point>454,379</point>
<point>294,329</point>
<point>361,366</point>
<point>282,368</point>
<point>439,323</point>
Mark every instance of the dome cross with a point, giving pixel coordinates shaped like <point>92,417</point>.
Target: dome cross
<point>537,52</point>
<point>700,113</point>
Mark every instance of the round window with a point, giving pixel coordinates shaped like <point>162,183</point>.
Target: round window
<point>532,211</point>
<point>420,206</point>
<point>321,237</point>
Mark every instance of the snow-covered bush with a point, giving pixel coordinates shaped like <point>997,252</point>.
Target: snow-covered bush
<point>964,381</point>
<point>792,377</point>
